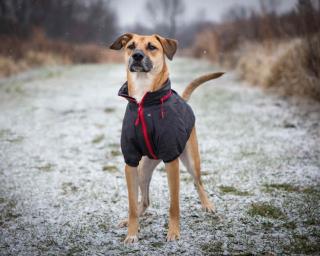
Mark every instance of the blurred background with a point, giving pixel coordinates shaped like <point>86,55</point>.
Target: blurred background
<point>62,184</point>
<point>270,43</point>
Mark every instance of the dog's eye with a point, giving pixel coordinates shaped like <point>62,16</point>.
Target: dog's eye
<point>151,47</point>
<point>131,46</point>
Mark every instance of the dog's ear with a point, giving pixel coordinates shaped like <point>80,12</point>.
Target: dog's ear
<point>169,46</point>
<point>121,41</point>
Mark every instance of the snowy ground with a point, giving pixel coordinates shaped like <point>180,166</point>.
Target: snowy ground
<point>62,187</point>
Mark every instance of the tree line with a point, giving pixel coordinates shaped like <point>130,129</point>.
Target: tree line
<point>74,21</point>
<point>242,24</point>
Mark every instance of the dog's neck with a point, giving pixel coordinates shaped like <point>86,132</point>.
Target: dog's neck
<point>140,83</point>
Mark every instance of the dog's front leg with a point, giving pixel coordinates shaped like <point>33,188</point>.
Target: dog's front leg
<point>173,172</point>
<point>133,188</point>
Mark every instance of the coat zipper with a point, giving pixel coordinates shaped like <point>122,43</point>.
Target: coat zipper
<point>140,118</point>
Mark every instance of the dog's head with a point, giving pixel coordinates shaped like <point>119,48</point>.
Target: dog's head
<point>145,53</point>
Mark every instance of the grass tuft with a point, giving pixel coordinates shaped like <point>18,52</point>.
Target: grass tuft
<point>311,191</point>
<point>157,244</point>
<point>290,188</point>
<point>233,191</point>
<point>109,110</point>
<point>46,167</point>
<point>302,245</point>
<point>115,152</point>
<point>8,211</point>
<point>266,210</point>
<point>98,139</point>
<point>69,188</point>
<point>212,248</point>
<point>280,186</point>
<point>110,168</point>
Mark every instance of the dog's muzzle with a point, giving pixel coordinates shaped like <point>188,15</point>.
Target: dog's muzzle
<point>139,62</point>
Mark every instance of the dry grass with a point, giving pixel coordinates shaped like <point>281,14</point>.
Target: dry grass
<point>9,66</point>
<point>255,63</point>
<point>17,54</point>
<point>283,66</point>
<point>289,67</point>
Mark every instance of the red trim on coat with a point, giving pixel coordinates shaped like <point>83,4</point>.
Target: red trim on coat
<point>140,117</point>
<point>144,128</point>
<point>145,135</point>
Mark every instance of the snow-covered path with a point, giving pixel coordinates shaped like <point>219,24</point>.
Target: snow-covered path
<point>62,186</point>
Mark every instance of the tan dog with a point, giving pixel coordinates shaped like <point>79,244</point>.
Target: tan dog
<point>147,72</point>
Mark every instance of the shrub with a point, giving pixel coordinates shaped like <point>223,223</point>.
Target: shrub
<point>17,54</point>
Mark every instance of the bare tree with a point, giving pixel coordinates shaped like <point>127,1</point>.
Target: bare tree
<point>164,14</point>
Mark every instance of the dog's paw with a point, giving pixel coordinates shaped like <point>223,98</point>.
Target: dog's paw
<point>123,223</point>
<point>209,207</point>
<point>130,239</point>
<point>173,234</point>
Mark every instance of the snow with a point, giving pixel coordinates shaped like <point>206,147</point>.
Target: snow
<point>62,186</point>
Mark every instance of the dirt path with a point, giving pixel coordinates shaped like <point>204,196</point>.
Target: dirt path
<point>62,187</point>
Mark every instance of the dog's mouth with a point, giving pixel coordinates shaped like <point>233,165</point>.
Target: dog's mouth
<point>140,66</point>
<point>137,67</point>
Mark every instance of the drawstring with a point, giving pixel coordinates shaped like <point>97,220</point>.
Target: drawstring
<point>162,110</point>
<point>163,99</point>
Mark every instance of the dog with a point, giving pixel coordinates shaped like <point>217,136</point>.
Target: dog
<point>153,103</point>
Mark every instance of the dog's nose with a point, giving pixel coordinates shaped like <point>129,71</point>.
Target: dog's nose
<point>138,55</point>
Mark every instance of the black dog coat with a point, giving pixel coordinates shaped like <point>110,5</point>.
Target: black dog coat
<point>158,127</point>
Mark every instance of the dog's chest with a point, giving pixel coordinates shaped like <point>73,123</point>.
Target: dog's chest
<point>140,86</point>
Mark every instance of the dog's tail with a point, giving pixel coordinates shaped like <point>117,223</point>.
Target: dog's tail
<point>195,83</point>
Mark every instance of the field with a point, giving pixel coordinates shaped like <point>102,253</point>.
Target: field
<point>62,186</point>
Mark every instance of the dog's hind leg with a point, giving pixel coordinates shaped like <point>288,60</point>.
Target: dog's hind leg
<point>145,171</point>
<point>191,160</point>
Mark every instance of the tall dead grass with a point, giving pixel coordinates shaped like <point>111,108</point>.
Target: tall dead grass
<point>17,54</point>
<point>289,67</point>
<point>276,51</point>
